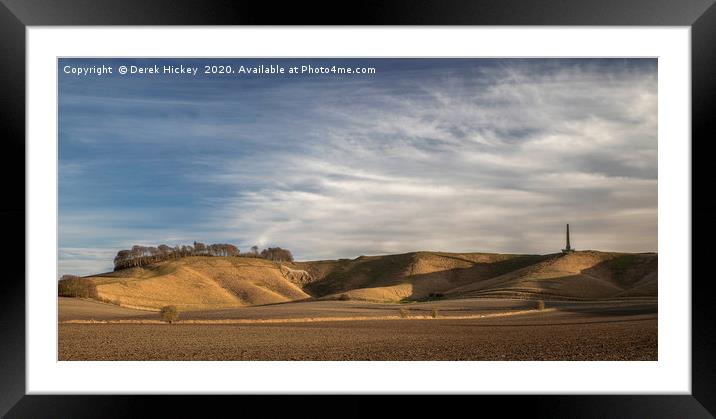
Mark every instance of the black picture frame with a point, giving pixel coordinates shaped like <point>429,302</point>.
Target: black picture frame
<point>16,15</point>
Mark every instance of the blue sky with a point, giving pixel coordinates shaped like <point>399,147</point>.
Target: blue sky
<point>425,154</point>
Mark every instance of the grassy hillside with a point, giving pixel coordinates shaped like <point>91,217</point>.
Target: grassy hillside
<point>578,275</point>
<point>410,275</point>
<point>224,282</point>
<point>199,283</point>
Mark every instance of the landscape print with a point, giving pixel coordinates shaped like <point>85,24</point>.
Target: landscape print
<point>357,209</point>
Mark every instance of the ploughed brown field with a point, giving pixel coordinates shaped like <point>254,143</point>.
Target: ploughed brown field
<point>509,330</point>
<point>413,306</point>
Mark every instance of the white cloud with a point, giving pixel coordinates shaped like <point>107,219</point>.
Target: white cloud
<point>498,168</point>
<point>496,160</point>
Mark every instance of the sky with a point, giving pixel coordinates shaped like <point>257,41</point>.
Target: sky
<point>461,155</point>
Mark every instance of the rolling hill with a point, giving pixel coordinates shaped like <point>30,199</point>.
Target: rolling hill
<point>196,283</point>
<point>577,276</point>
<point>199,283</point>
<point>410,275</point>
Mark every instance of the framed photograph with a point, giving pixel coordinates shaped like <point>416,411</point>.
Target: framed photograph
<point>479,199</point>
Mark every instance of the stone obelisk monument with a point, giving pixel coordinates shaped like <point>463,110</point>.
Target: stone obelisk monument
<point>568,248</point>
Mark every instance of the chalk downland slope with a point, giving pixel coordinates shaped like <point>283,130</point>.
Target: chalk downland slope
<point>417,275</point>
<point>199,283</point>
<point>579,275</point>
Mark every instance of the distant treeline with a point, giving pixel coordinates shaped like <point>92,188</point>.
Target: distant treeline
<point>145,255</point>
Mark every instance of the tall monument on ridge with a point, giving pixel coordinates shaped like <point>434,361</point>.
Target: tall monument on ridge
<point>567,249</point>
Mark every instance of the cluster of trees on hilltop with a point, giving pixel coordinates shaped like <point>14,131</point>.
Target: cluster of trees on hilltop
<point>144,255</point>
<point>277,254</point>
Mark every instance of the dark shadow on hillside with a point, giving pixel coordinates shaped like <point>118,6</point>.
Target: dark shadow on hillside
<point>628,276</point>
<point>625,270</point>
<point>385,272</point>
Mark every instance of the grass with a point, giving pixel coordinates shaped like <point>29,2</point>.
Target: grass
<point>208,282</point>
<point>621,264</point>
<point>372,269</point>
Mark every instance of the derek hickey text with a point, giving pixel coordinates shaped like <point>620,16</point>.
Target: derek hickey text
<point>181,69</point>
<point>130,69</point>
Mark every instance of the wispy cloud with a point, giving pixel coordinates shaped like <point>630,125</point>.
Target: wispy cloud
<point>467,156</point>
